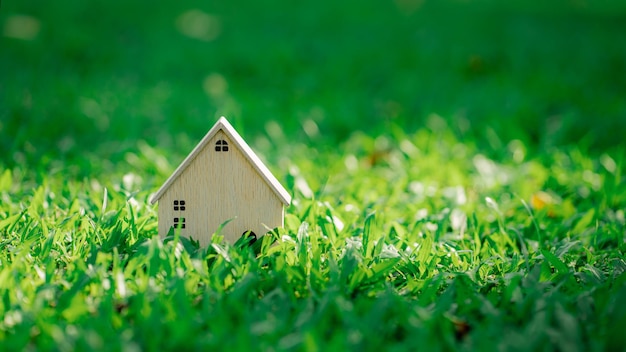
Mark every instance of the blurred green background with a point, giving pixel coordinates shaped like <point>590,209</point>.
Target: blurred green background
<point>84,82</point>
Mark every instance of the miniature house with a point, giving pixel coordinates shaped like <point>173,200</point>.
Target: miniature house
<point>221,180</point>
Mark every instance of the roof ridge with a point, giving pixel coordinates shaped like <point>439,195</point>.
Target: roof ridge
<point>223,124</point>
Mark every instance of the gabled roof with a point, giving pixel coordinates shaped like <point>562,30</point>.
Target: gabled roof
<point>223,125</point>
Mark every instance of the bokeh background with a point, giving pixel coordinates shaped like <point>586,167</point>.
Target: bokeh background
<point>83,83</point>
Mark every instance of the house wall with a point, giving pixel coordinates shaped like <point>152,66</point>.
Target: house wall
<point>218,186</point>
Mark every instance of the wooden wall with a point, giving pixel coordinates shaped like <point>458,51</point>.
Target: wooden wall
<point>218,186</point>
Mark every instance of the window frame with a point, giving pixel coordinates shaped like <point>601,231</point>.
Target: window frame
<point>179,205</point>
<point>221,146</point>
<point>179,223</point>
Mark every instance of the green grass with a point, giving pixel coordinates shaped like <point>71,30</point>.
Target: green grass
<point>457,172</point>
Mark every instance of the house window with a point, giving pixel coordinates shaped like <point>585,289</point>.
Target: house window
<point>221,146</point>
<point>179,205</point>
<point>179,223</point>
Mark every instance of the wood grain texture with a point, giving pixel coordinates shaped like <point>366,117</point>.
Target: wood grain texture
<point>222,125</point>
<point>220,186</point>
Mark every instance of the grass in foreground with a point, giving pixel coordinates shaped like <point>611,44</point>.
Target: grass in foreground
<point>400,242</point>
<point>500,229</point>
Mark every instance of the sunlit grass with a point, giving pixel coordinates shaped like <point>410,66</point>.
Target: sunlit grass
<point>407,241</point>
<point>457,172</point>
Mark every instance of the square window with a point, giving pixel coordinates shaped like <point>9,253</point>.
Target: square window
<point>179,205</point>
<point>179,223</point>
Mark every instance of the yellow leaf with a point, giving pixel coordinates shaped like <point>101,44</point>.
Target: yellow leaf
<point>540,200</point>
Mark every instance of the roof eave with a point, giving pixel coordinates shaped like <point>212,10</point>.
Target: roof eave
<point>224,125</point>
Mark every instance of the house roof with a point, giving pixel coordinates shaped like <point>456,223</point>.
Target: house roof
<point>223,125</point>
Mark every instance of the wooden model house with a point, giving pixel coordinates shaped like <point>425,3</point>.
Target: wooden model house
<point>222,179</point>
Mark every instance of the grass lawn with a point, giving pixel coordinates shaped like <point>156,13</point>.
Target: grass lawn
<point>457,172</point>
